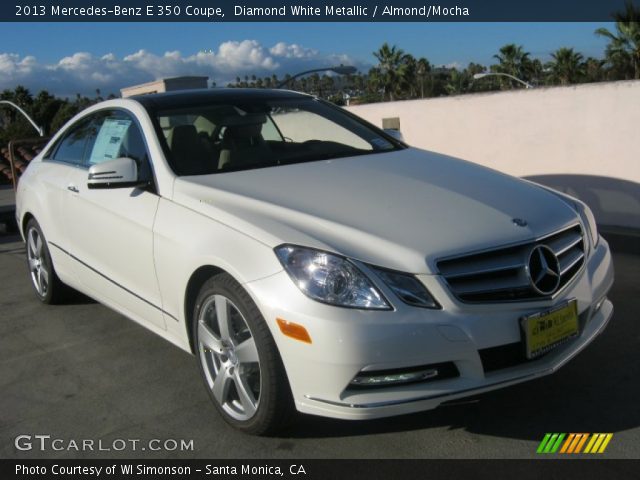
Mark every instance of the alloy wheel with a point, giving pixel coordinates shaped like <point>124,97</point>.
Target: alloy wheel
<point>37,262</point>
<point>229,357</point>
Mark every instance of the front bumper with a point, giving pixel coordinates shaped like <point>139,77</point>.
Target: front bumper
<point>347,341</point>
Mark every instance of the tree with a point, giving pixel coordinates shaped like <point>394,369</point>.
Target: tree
<point>458,82</point>
<point>423,70</point>
<point>408,84</point>
<point>391,69</point>
<point>22,96</point>
<point>566,66</point>
<point>12,124</point>
<point>513,61</point>
<point>594,70</point>
<point>46,110</point>
<point>327,86</point>
<point>45,107</point>
<point>64,113</point>
<point>537,72</point>
<point>375,82</point>
<point>483,85</point>
<point>623,50</point>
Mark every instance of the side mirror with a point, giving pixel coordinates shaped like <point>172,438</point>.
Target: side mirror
<point>117,173</point>
<point>397,134</point>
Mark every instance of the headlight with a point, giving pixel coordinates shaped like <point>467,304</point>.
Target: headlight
<point>408,288</point>
<point>330,278</point>
<point>586,215</point>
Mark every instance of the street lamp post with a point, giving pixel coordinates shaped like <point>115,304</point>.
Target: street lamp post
<point>340,69</point>
<point>500,74</point>
<point>40,130</point>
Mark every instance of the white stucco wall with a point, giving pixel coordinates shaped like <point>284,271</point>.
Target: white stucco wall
<point>582,139</point>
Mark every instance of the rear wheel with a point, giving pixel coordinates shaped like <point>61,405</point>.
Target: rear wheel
<point>238,359</point>
<point>48,287</point>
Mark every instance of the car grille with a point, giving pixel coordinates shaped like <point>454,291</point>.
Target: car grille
<point>501,274</point>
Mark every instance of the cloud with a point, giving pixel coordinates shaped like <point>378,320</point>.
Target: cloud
<point>456,65</point>
<point>293,50</point>
<point>84,72</point>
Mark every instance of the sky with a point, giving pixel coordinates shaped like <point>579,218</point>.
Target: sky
<point>70,58</point>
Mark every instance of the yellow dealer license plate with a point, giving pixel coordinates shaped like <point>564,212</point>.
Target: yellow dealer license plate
<point>544,331</point>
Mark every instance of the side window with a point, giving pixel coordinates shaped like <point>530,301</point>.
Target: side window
<point>117,135</point>
<point>71,148</point>
<point>269,131</point>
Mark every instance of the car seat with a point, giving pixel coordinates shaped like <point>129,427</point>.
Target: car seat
<point>189,153</point>
<point>243,146</point>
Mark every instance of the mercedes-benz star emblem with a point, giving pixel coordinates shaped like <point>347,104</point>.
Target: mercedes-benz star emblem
<point>543,269</point>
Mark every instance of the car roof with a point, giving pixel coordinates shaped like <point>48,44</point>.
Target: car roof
<point>186,98</point>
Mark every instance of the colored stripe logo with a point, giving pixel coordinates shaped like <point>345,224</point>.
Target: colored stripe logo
<point>574,443</point>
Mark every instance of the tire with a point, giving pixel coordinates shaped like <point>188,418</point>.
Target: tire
<point>47,286</point>
<point>238,359</point>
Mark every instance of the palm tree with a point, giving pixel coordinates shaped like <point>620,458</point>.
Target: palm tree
<point>623,51</point>
<point>409,81</point>
<point>314,83</point>
<point>375,82</point>
<point>593,70</point>
<point>536,71</point>
<point>304,85</point>
<point>482,86</point>
<point>327,86</point>
<point>22,96</point>
<point>566,66</point>
<point>391,69</point>
<point>458,82</point>
<point>513,61</point>
<point>423,69</point>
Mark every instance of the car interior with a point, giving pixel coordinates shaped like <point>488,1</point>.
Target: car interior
<point>228,138</point>
<point>201,144</point>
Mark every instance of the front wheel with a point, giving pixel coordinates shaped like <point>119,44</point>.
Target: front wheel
<point>239,361</point>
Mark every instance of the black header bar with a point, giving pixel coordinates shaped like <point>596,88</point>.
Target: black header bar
<point>534,469</point>
<point>310,10</point>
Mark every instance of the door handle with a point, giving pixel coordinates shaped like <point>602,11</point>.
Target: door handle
<point>72,188</point>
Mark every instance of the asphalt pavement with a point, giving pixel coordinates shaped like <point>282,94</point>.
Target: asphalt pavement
<point>81,371</point>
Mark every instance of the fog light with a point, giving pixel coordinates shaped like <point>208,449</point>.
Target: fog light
<point>399,376</point>
<point>365,380</point>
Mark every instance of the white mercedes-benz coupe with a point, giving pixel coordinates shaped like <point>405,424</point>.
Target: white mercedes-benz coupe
<point>308,259</point>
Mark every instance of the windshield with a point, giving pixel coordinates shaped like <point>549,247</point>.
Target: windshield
<point>217,138</point>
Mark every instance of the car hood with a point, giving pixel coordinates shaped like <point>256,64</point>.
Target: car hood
<point>401,210</point>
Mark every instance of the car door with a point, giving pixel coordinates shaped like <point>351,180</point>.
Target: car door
<point>59,163</point>
<point>111,230</point>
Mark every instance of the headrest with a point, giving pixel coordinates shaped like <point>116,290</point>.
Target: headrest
<point>244,131</point>
<point>184,133</point>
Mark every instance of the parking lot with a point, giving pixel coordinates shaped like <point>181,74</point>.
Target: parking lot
<point>81,371</point>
